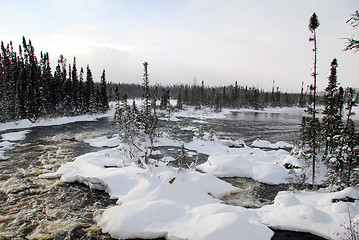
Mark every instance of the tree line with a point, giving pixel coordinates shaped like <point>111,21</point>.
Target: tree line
<point>230,96</point>
<point>29,89</point>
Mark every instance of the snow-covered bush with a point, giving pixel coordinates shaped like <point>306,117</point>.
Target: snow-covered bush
<point>299,176</point>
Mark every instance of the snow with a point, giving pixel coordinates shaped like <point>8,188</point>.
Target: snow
<point>260,165</point>
<point>266,144</point>
<point>15,136</point>
<point>169,118</point>
<point>104,141</point>
<point>22,124</point>
<point>201,114</point>
<point>313,212</point>
<point>8,140</point>
<point>189,128</point>
<point>159,201</point>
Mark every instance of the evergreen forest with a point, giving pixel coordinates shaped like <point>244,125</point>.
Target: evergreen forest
<point>30,89</point>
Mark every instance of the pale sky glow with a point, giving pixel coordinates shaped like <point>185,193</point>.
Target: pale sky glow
<point>217,41</point>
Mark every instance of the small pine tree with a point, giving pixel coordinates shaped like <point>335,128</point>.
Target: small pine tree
<point>127,124</point>
<point>181,161</point>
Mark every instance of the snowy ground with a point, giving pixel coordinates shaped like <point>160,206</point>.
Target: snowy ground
<point>160,201</point>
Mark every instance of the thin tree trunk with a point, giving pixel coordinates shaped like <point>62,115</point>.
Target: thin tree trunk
<point>314,110</point>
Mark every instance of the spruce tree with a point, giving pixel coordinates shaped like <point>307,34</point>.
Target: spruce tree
<point>351,143</point>
<point>277,98</point>
<point>147,104</point>
<point>310,126</point>
<point>75,87</point>
<point>332,119</point>
<point>235,95</point>
<point>179,99</point>
<point>103,93</point>
<point>67,99</point>
<point>343,161</point>
<point>81,91</point>
<point>89,90</point>
<point>301,100</point>
<point>48,101</point>
<point>314,122</point>
<point>273,98</point>
<point>32,95</point>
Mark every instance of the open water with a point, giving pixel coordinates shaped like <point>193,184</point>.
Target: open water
<point>35,208</point>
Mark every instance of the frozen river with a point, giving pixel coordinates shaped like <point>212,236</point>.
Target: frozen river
<point>32,207</point>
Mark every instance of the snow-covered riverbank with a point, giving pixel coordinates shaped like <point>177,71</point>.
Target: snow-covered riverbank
<point>160,201</point>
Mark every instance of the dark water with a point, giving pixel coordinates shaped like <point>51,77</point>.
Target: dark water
<point>249,126</point>
<point>35,208</point>
<point>272,127</point>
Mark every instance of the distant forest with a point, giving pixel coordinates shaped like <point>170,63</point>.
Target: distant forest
<point>29,89</point>
<point>232,96</point>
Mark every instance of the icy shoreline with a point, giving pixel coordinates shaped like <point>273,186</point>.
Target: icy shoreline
<point>159,201</point>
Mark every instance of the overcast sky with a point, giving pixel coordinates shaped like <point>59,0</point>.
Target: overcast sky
<point>252,42</point>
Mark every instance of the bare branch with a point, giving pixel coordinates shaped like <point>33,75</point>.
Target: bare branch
<point>354,20</point>
<point>352,44</point>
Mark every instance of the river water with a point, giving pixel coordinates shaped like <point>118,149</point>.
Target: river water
<point>35,208</point>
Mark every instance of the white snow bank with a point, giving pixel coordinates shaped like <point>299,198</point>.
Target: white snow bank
<point>169,218</point>
<point>169,118</point>
<point>53,121</point>
<point>266,144</point>
<point>6,145</point>
<point>8,139</point>
<point>160,202</point>
<point>104,141</point>
<point>189,128</point>
<point>262,166</point>
<point>15,136</point>
<point>313,212</point>
<point>203,113</point>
